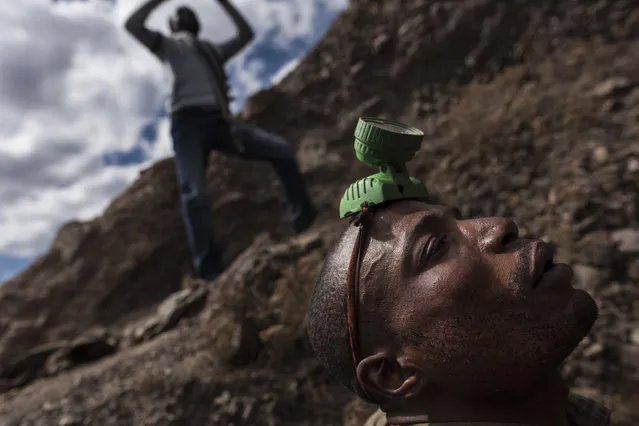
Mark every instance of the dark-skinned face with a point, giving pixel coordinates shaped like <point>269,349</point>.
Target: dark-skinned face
<point>185,20</point>
<point>472,307</point>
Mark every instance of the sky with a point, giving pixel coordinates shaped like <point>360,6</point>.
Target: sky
<point>82,103</point>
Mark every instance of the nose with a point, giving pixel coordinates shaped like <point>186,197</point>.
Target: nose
<point>496,233</point>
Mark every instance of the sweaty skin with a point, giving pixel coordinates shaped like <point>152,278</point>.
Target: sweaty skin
<point>463,320</point>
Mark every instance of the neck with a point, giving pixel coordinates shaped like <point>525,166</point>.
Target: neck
<point>545,405</point>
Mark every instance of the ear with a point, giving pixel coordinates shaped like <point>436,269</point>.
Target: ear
<point>389,377</point>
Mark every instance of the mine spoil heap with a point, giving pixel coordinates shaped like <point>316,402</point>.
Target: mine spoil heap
<point>531,110</point>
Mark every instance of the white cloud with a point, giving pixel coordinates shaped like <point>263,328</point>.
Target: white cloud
<point>162,148</point>
<point>74,86</point>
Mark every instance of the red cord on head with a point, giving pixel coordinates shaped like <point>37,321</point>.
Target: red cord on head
<point>352,289</point>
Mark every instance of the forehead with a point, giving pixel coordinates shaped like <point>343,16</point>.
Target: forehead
<point>390,237</point>
<point>401,218</point>
<point>392,232</point>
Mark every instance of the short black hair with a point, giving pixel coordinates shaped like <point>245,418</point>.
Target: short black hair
<point>327,326</point>
<point>185,19</point>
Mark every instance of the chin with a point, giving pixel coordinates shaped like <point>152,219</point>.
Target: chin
<point>582,313</point>
<point>585,307</point>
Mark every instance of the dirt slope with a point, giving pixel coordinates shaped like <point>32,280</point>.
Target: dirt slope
<point>531,110</point>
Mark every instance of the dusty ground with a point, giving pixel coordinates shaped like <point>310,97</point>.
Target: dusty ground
<point>531,110</point>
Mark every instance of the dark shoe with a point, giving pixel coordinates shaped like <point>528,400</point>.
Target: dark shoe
<point>305,220</point>
<point>212,267</point>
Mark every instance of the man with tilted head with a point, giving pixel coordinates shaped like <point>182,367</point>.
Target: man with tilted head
<point>439,319</point>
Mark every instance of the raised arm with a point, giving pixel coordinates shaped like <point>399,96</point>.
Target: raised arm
<point>136,24</point>
<point>244,35</point>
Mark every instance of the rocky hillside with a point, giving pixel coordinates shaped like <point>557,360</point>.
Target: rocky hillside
<point>531,110</point>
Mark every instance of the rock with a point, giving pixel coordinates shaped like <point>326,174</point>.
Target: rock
<point>50,406</point>
<point>313,154</point>
<point>325,73</point>
<point>627,240</point>
<point>245,343</point>
<point>68,420</point>
<point>380,42</point>
<point>54,357</point>
<point>355,69</point>
<point>612,105</point>
<point>634,336</point>
<point>182,304</point>
<point>593,350</point>
<point>630,359</point>
<point>600,155</point>
<point>612,87</point>
<point>29,366</point>
<point>71,237</point>
<point>91,346</point>
<point>173,308</point>
<point>596,249</point>
<point>562,237</point>
<point>632,165</point>
<point>587,277</point>
<point>272,332</point>
<point>633,269</point>
<point>279,339</point>
<point>19,334</point>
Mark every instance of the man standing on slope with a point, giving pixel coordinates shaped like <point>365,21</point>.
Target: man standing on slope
<point>201,122</point>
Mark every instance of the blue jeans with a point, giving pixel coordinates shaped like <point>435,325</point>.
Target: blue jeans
<point>195,133</point>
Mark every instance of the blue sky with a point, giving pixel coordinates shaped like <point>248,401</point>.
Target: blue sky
<point>82,104</point>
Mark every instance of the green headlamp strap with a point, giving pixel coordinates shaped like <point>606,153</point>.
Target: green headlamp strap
<point>388,145</point>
